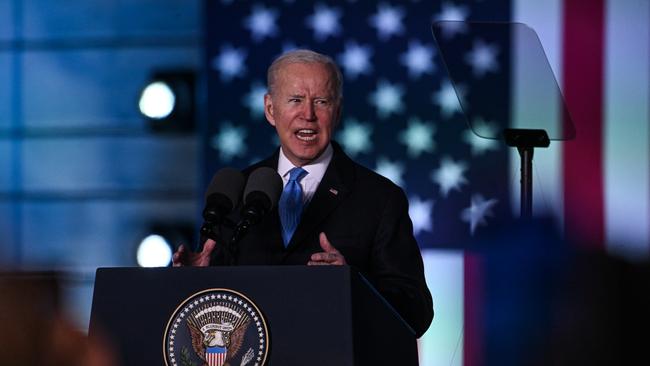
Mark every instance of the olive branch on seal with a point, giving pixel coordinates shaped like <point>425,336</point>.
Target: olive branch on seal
<point>185,357</point>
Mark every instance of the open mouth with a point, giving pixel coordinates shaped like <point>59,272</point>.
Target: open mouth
<point>306,135</point>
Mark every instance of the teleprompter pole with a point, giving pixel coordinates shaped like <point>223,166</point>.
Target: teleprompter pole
<point>526,140</point>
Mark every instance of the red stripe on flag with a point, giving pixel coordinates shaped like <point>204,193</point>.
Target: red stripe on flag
<point>473,312</point>
<point>583,53</point>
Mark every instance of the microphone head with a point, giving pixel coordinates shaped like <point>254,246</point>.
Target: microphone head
<point>223,193</point>
<point>263,188</point>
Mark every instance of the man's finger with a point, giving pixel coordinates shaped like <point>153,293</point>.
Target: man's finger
<point>323,257</point>
<point>327,259</point>
<point>177,258</point>
<point>326,245</point>
<point>314,263</point>
<point>181,249</point>
<point>208,246</point>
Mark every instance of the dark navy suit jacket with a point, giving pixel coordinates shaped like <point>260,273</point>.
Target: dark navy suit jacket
<point>365,217</point>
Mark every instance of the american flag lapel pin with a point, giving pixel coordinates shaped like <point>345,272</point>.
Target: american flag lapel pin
<point>334,191</point>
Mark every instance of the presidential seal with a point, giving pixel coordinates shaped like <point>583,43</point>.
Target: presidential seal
<point>216,327</point>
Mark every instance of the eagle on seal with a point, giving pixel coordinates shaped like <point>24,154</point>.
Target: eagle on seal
<point>230,340</point>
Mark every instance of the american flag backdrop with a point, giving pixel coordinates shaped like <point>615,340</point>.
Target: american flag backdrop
<point>402,118</point>
<point>401,115</point>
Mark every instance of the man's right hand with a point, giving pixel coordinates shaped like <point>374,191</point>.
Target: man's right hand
<point>183,257</point>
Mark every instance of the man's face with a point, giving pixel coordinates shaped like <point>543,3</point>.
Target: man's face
<point>303,109</point>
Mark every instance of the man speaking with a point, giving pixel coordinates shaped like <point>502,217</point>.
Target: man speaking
<point>332,211</point>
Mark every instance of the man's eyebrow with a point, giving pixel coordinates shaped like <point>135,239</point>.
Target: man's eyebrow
<point>302,96</point>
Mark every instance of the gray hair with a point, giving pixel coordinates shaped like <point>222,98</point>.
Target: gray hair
<point>305,57</point>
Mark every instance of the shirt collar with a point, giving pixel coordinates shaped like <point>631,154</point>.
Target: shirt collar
<point>316,169</point>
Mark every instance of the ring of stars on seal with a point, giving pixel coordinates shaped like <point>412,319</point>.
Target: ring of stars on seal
<point>216,327</point>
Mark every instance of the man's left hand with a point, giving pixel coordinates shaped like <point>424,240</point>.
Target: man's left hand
<point>329,255</point>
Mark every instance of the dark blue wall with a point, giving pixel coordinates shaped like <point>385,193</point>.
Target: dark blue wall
<point>81,177</point>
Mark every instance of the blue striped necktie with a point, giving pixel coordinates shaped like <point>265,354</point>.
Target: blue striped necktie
<point>290,205</point>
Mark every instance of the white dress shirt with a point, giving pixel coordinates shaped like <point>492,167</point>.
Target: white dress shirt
<point>315,172</point>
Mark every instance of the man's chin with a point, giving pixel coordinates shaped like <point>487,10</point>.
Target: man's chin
<point>307,154</point>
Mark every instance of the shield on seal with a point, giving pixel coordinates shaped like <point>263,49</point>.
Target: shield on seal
<point>215,356</point>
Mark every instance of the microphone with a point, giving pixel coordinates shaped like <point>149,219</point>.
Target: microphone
<point>221,197</point>
<point>261,194</point>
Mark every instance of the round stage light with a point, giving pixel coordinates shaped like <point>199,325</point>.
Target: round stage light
<point>167,101</point>
<point>154,251</point>
<point>157,100</point>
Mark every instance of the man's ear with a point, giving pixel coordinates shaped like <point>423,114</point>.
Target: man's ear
<point>268,109</point>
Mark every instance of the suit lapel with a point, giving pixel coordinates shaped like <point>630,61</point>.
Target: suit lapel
<point>332,190</point>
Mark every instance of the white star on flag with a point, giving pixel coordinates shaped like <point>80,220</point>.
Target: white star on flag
<point>254,100</point>
<point>478,211</point>
<point>450,175</point>
<point>390,170</point>
<point>447,99</point>
<point>483,58</point>
<point>355,59</point>
<point>324,21</point>
<point>418,137</point>
<point>481,137</point>
<point>420,213</point>
<point>355,137</point>
<point>455,15</point>
<point>387,99</point>
<point>261,22</point>
<point>418,59</point>
<point>230,63</point>
<point>388,21</point>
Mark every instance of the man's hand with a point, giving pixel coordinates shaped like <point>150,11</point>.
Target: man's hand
<point>183,257</point>
<point>329,255</point>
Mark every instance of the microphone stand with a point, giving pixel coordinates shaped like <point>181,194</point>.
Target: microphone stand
<point>251,215</point>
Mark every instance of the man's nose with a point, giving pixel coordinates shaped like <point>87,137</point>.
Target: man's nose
<point>309,112</point>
